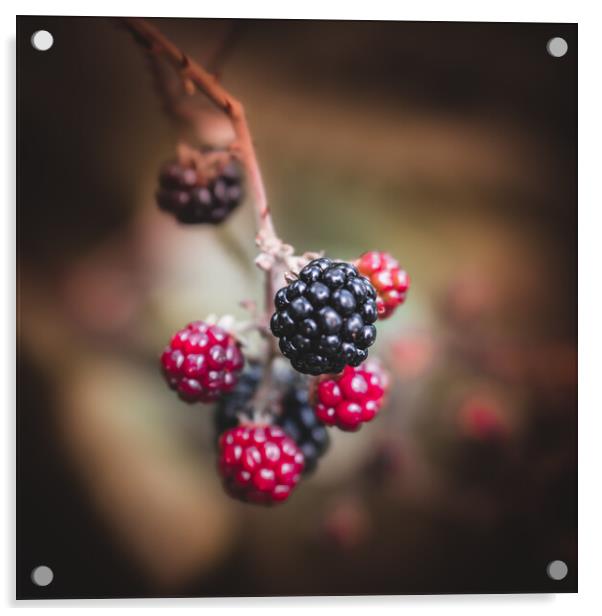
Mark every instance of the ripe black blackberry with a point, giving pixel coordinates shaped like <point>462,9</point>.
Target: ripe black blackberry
<point>181,193</point>
<point>297,417</point>
<point>324,320</point>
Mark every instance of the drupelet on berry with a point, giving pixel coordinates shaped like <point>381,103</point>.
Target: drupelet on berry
<point>389,280</point>
<point>190,201</point>
<point>202,362</point>
<point>324,319</point>
<point>259,464</point>
<point>352,398</point>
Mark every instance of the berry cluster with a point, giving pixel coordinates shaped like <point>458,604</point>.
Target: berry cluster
<point>202,362</point>
<point>259,464</point>
<point>389,280</point>
<point>324,320</point>
<point>352,398</point>
<point>271,424</point>
<point>190,201</point>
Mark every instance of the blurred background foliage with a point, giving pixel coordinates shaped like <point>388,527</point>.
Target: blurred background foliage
<point>453,146</point>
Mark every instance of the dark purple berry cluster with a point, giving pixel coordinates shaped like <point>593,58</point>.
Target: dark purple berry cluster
<point>181,193</point>
<point>324,320</point>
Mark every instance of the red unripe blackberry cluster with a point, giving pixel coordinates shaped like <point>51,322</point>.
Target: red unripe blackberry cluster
<point>352,398</point>
<point>202,362</point>
<point>259,464</point>
<point>387,277</point>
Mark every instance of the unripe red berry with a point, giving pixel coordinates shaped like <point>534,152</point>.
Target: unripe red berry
<point>202,362</point>
<point>389,280</point>
<point>352,398</point>
<point>259,464</point>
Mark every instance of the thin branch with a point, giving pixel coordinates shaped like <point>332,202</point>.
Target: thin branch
<point>156,42</point>
<point>170,91</point>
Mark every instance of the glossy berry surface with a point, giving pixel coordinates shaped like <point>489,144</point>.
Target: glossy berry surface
<point>351,399</point>
<point>202,362</point>
<point>296,416</point>
<point>324,320</point>
<point>181,193</point>
<point>389,280</point>
<point>259,464</point>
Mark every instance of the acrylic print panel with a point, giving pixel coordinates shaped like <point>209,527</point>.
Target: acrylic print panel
<point>376,397</point>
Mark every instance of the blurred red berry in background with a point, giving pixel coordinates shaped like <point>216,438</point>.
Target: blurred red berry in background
<point>483,419</point>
